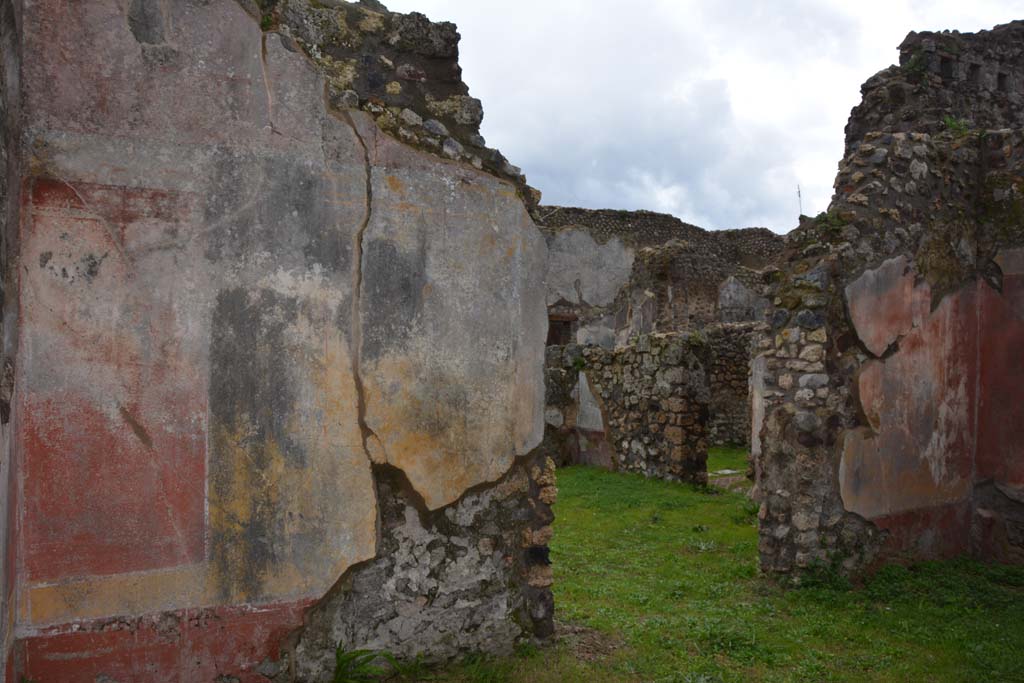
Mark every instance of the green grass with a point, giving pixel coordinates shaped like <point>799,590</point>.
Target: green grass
<point>727,458</point>
<point>666,578</point>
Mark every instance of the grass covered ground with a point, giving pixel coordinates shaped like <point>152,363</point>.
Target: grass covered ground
<point>726,458</point>
<point>657,581</point>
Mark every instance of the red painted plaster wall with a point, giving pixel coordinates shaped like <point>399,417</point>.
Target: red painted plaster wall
<point>944,411</point>
<point>175,647</point>
<point>1000,454</point>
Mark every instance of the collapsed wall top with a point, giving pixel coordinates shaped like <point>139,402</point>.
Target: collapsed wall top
<point>968,80</point>
<point>402,69</point>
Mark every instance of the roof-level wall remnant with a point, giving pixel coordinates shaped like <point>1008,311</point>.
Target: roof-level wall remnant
<point>402,69</point>
<point>622,273</point>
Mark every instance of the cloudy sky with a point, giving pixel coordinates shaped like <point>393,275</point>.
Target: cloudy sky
<point>713,110</point>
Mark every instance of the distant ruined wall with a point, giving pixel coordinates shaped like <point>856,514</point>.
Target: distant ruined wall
<point>278,309</point>
<point>731,348</point>
<point>654,397</point>
<point>614,276</point>
<point>751,247</point>
<point>622,273</point>
<point>892,380</point>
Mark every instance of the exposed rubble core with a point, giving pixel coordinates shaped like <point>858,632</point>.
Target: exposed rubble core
<point>439,587</point>
<point>574,429</point>
<point>240,301</point>
<point>891,393</point>
<point>972,81</point>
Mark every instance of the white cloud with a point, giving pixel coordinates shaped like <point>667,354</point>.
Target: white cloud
<point>711,111</point>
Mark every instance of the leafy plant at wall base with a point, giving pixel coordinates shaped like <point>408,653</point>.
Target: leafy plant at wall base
<point>355,666</point>
<point>826,575</point>
<point>416,670</point>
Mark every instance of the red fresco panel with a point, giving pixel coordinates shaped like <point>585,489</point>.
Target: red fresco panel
<point>99,501</point>
<point>111,418</point>
<point>927,533</point>
<point>175,647</point>
<point>1000,453</point>
<point>921,402</point>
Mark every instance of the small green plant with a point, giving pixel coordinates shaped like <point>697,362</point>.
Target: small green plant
<point>957,127</point>
<point>826,575</point>
<point>416,670</point>
<point>356,666</point>
<point>578,364</point>
<point>830,221</point>
<point>484,669</point>
<point>267,22</point>
<point>747,516</point>
<point>917,64</point>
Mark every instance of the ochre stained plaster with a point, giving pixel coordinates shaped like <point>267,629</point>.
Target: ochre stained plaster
<point>232,298</point>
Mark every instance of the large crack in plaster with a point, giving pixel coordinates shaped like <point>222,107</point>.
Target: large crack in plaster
<point>357,292</point>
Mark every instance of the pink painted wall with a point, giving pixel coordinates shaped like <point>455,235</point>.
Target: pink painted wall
<point>944,409</point>
<point>1001,408</point>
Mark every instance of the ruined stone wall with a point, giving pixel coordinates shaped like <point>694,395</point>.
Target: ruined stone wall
<point>752,247</point>
<point>969,81</point>
<point>244,298</point>
<point>731,347</point>
<point>654,397</point>
<point>622,273</point>
<point>891,392</point>
<point>683,286</point>
<point>402,69</point>
<point>616,275</point>
<point>635,228</point>
<point>561,378</point>
<point>574,427</point>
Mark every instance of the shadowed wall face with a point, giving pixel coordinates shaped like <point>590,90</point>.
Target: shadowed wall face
<point>10,208</point>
